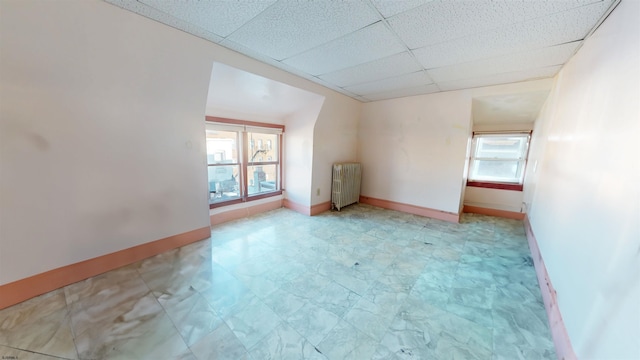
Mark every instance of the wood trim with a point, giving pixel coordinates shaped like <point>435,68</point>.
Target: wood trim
<point>225,203</point>
<point>411,209</point>
<point>27,288</point>
<point>492,185</point>
<point>493,212</point>
<point>320,208</point>
<point>280,163</point>
<point>235,214</point>
<point>305,210</point>
<point>243,122</point>
<point>561,340</point>
<point>244,168</point>
<point>263,195</point>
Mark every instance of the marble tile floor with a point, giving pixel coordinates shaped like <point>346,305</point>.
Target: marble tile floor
<point>364,283</point>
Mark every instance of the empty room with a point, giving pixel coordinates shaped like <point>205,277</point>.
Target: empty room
<point>279,179</point>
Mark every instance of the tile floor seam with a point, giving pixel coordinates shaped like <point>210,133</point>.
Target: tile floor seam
<point>37,352</point>
<point>397,274</point>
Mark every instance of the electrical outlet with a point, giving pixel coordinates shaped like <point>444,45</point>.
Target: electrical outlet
<point>318,192</point>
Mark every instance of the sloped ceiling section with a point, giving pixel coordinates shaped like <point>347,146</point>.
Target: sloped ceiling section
<point>508,108</point>
<point>382,49</point>
<point>243,95</point>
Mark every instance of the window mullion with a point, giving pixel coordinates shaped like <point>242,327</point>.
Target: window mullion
<point>280,180</point>
<point>245,169</point>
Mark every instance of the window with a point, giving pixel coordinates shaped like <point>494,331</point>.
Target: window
<point>498,160</point>
<point>239,171</point>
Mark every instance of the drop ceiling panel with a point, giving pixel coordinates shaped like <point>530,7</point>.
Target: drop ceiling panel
<point>445,21</point>
<point>388,48</point>
<point>419,90</point>
<point>531,59</point>
<point>368,44</point>
<point>167,19</point>
<point>393,83</point>
<point>389,8</point>
<point>283,30</point>
<point>558,28</point>
<point>503,78</point>
<point>394,65</point>
<point>218,17</point>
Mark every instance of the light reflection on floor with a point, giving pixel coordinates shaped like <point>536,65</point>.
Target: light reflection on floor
<point>364,283</point>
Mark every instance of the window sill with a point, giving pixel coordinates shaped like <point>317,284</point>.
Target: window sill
<point>495,185</point>
<point>248,199</point>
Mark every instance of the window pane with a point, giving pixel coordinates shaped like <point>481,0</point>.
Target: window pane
<point>223,183</point>
<point>222,147</point>
<point>501,147</point>
<point>263,178</point>
<point>496,170</point>
<point>263,147</point>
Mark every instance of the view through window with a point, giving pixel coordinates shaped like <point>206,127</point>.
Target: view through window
<point>243,161</point>
<point>499,158</point>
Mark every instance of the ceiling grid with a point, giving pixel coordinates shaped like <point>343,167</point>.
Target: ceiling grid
<point>380,49</point>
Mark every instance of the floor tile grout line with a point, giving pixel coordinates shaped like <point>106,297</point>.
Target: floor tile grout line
<point>164,310</point>
<point>37,352</point>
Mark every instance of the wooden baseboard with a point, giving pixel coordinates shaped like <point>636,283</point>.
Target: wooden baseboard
<point>24,289</point>
<point>304,210</point>
<point>493,212</point>
<point>307,210</point>
<point>235,214</point>
<point>411,209</point>
<point>320,208</point>
<point>561,341</point>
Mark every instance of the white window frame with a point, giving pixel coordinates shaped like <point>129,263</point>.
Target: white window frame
<point>245,149</point>
<point>475,180</point>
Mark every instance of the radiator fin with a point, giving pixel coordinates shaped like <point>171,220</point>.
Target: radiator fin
<point>345,188</point>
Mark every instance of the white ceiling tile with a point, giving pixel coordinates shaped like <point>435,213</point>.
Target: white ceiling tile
<point>531,59</point>
<point>284,30</point>
<point>219,17</point>
<point>555,29</point>
<point>394,83</point>
<point>267,60</point>
<point>368,44</point>
<point>166,19</point>
<point>389,8</point>
<point>397,64</point>
<point>502,78</point>
<point>436,22</point>
<point>419,90</point>
<point>344,45</point>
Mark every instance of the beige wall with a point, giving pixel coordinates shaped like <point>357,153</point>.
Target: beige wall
<point>299,162</point>
<point>102,133</point>
<point>413,149</point>
<point>582,190</point>
<point>334,140</point>
<point>508,200</point>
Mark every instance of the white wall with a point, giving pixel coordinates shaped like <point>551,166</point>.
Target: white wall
<point>508,200</point>
<point>298,162</point>
<point>101,149</point>
<point>413,149</point>
<point>101,131</point>
<point>583,198</point>
<point>334,140</point>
